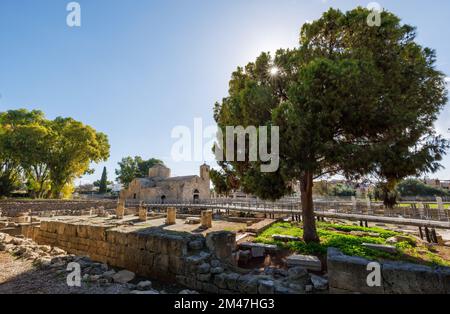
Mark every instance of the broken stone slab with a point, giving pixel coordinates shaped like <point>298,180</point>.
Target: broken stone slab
<point>198,258</point>
<point>380,247</point>
<point>285,238</point>
<point>123,276</point>
<point>222,245</point>
<point>144,285</point>
<point>144,292</point>
<point>297,272</point>
<point>267,247</point>
<point>196,244</point>
<point>399,238</point>
<point>257,251</point>
<point>241,236</point>
<point>309,262</point>
<point>319,283</point>
<point>192,220</point>
<point>364,234</point>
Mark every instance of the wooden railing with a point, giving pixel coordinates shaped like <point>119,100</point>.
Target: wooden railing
<point>415,214</point>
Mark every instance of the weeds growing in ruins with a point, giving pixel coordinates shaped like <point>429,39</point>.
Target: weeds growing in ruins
<point>347,239</point>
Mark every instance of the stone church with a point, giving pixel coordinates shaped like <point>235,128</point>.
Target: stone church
<point>160,186</point>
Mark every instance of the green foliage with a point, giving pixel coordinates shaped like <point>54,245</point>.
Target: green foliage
<point>103,186</point>
<point>47,155</point>
<point>349,244</point>
<point>130,168</point>
<point>351,99</point>
<point>343,190</point>
<point>338,236</point>
<point>224,182</point>
<point>413,187</point>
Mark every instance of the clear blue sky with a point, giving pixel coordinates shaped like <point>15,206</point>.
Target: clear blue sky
<point>135,69</point>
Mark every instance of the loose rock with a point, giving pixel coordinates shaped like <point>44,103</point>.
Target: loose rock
<point>123,276</point>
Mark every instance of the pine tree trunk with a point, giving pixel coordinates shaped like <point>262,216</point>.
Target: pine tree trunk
<point>309,222</point>
<point>389,194</point>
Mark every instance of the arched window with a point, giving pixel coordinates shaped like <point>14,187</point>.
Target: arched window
<point>163,199</point>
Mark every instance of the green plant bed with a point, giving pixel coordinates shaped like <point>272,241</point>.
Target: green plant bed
<point>338,236</point>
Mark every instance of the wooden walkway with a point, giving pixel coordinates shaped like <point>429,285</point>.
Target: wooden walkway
<point>375,214</point>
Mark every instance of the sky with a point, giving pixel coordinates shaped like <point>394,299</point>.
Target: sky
<point>137,69</point>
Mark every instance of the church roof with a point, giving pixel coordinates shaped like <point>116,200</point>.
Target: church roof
<point>181,178</point>
<point>146,182</point>
<point>153,182</point>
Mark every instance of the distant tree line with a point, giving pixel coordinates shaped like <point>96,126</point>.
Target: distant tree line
<point>44,156</point>
<point>137,167</point>
<point>411,188</point>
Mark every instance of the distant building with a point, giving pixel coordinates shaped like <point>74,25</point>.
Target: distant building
<point>160,186</point>
<point>443,184</point>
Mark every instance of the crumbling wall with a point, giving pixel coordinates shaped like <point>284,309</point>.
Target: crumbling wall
<point>13,208</point>
<point>348,274</point>
<point>204,263</point>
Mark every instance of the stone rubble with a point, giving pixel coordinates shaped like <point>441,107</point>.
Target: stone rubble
<point>56,259</point>
<point>123,276</point>
<point>381,247</point>
<point>204,268</point>
<point>307,261</point>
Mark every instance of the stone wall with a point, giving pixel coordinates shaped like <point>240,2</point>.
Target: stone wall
<point>348,274</point>
<point>204,263</point>
<point>154,254</point>
<point>13,208</point>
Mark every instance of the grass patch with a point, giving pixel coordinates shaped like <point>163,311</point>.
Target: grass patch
<point>338,236</point>
<point>432,205</point>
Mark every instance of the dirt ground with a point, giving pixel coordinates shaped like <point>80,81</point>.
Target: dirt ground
<point>19,276</point>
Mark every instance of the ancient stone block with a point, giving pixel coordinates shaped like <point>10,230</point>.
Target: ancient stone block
<point>161,262</point>
<point>380,247</point>
<point>204,277</point>
<point>82,231</point>
<point>142,213</point>
<point>171,216</point>
<point>220,280</point>
<point>120,210</point>
<point>209,288</point>
<point>222,244</point>
<point>231,280</point>
<point>307,261</point>
<point>206,219</point>
<point>248,284</point>
<point>177,245</point>
<point>196,244</point>
<point>348,273</point>
<point>266,287</point>
<point>203,268</point>
<point>176,264</point>
<point>198,258</point>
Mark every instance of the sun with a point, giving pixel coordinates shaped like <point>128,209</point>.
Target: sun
<point>273,71</point>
